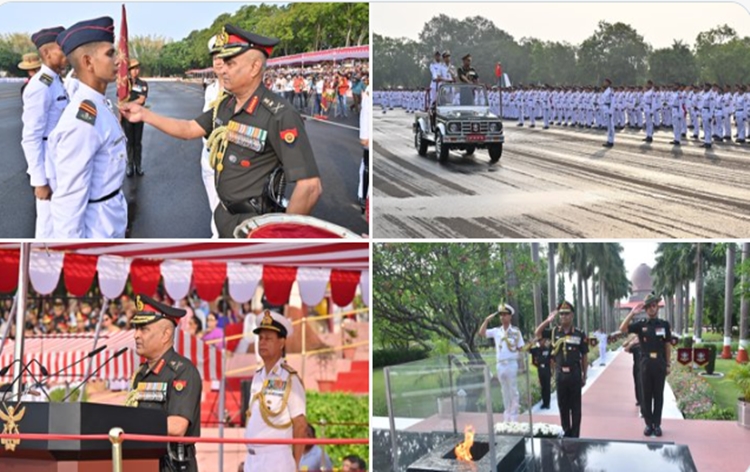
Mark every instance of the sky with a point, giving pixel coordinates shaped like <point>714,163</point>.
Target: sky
<point>659,23</point>
<point>170,20</point>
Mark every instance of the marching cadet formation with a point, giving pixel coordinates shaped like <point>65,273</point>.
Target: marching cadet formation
<point>79,149</point>
<point>683,109</point>
<point>712,113</point>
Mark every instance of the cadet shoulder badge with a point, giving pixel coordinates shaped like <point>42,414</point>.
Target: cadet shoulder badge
<point>87,112</point>
<point>179,385</point>
<point>289,135</point>
<point>46,79</point>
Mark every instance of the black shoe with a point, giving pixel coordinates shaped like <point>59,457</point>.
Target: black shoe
<point>707,146</point>
<point>532,126</point>
<point>129,171</point>
<point>519,124</point>
<point>674,143</point>
<point>684,135</point>
<point>546,127</point>
<point>657,431</point>
<point>741,141</point>
<point>647,139</point>
<point>139,171</point>
<point>608,145</point>
<point>648,431</point>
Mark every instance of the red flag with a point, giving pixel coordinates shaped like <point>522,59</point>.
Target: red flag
<point>123,75</point>
<point>498,70</point>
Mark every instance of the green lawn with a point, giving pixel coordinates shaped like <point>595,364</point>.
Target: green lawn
<point>725,391</point>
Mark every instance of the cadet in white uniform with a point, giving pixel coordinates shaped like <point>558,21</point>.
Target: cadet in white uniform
<point>277,401</point>
<point>605,101</point>
<point>44,100</point>
<point>508,342</point>
<point>213,91</point>
<point>436,74</point>
<point>88,147</point>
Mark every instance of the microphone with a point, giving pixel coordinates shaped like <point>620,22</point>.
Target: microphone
<point>83,382</point>
<point>87,356</point>
<point>25,368</point>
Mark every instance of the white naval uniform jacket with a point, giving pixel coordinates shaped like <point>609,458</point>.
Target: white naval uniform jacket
<point>515,340</point>
<point>88,159</point>
<point>273,385</point>
<point>44,100</point>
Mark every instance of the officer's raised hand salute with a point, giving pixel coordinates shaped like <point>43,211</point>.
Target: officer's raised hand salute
<point>252,133</point>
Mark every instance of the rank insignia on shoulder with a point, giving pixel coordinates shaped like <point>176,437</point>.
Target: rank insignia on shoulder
<point>179,385</point>
<point>289,135</point>
<point>46,79</point>
<point>274,107</point>
<point>87,112</point>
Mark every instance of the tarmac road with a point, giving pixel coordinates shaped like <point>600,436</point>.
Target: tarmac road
<point>170,201</point>
<point>559,183</point>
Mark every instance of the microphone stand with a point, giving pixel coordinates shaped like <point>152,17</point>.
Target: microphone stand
<point>83,382</point>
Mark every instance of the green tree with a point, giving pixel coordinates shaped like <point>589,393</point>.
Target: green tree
<point>674,64</point>
<point>615,51</point>
<point>446,290</point>
<point>723,56</point>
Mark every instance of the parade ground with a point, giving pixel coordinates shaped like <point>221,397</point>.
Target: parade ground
<point>559,183</point>
<point>170,200</point>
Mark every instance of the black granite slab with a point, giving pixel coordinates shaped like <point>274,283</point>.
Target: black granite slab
<point>546,455</point>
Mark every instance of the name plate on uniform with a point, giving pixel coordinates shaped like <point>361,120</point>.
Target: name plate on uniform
<point>573,340</point>
<point>565,370</point>
<point>661,332</point>
<point>151,392</point>
<point>653,355</point>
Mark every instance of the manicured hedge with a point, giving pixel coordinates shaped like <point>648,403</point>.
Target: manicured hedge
<point>386,357</point>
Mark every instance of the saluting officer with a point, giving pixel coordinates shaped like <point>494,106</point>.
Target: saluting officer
<point>44,99</point>
<point>542,355</point>
<point>654,335</point>
<point>508,342</point>
<point>134,131</point>
<point>569,349</point>
<point>88,147</point>
<point>256,137</point>
<point>167,381</point>
<point>277,401</point>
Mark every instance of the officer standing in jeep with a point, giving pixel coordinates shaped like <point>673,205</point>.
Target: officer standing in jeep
<point>257,139</point>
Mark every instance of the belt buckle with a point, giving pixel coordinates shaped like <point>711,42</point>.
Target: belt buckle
<point>653,355</point>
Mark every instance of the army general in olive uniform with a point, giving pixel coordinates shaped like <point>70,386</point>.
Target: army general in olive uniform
<point>252,134</point>
<point>569,349</point>
<point>167,381</point>
<point>654,335</point>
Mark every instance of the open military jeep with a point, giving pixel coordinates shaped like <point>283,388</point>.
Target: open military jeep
<point>460,119</point>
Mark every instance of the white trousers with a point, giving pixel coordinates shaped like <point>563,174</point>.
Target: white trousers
<point>270,458</point>
<point>506,374</point>
<point>207,173</point>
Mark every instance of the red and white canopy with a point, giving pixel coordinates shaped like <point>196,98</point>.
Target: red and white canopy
<point>58,351</point>
<point>338,54</point>
<point>202,266</point>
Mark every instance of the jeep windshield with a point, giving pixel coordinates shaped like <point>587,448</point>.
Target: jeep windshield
<point>466,95</point>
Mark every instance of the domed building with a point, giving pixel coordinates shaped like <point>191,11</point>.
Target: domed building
<point>641,284</point>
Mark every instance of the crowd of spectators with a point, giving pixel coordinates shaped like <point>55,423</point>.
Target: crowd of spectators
<point>324,89</point>
<point>50,315</point>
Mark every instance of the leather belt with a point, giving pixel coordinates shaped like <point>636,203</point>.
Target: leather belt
<point>505,361</point>
<point>105,198</point>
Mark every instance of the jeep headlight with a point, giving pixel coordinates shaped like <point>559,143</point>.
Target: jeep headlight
<point>454,128</point>
<point>494,127</point>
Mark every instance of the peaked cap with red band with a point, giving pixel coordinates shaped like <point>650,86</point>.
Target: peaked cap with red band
<point>234,41</point>
<point>46,36</point>
<point>149,311</point>
<point>85,32</point>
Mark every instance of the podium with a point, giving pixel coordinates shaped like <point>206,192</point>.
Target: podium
<point>84,456</point>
